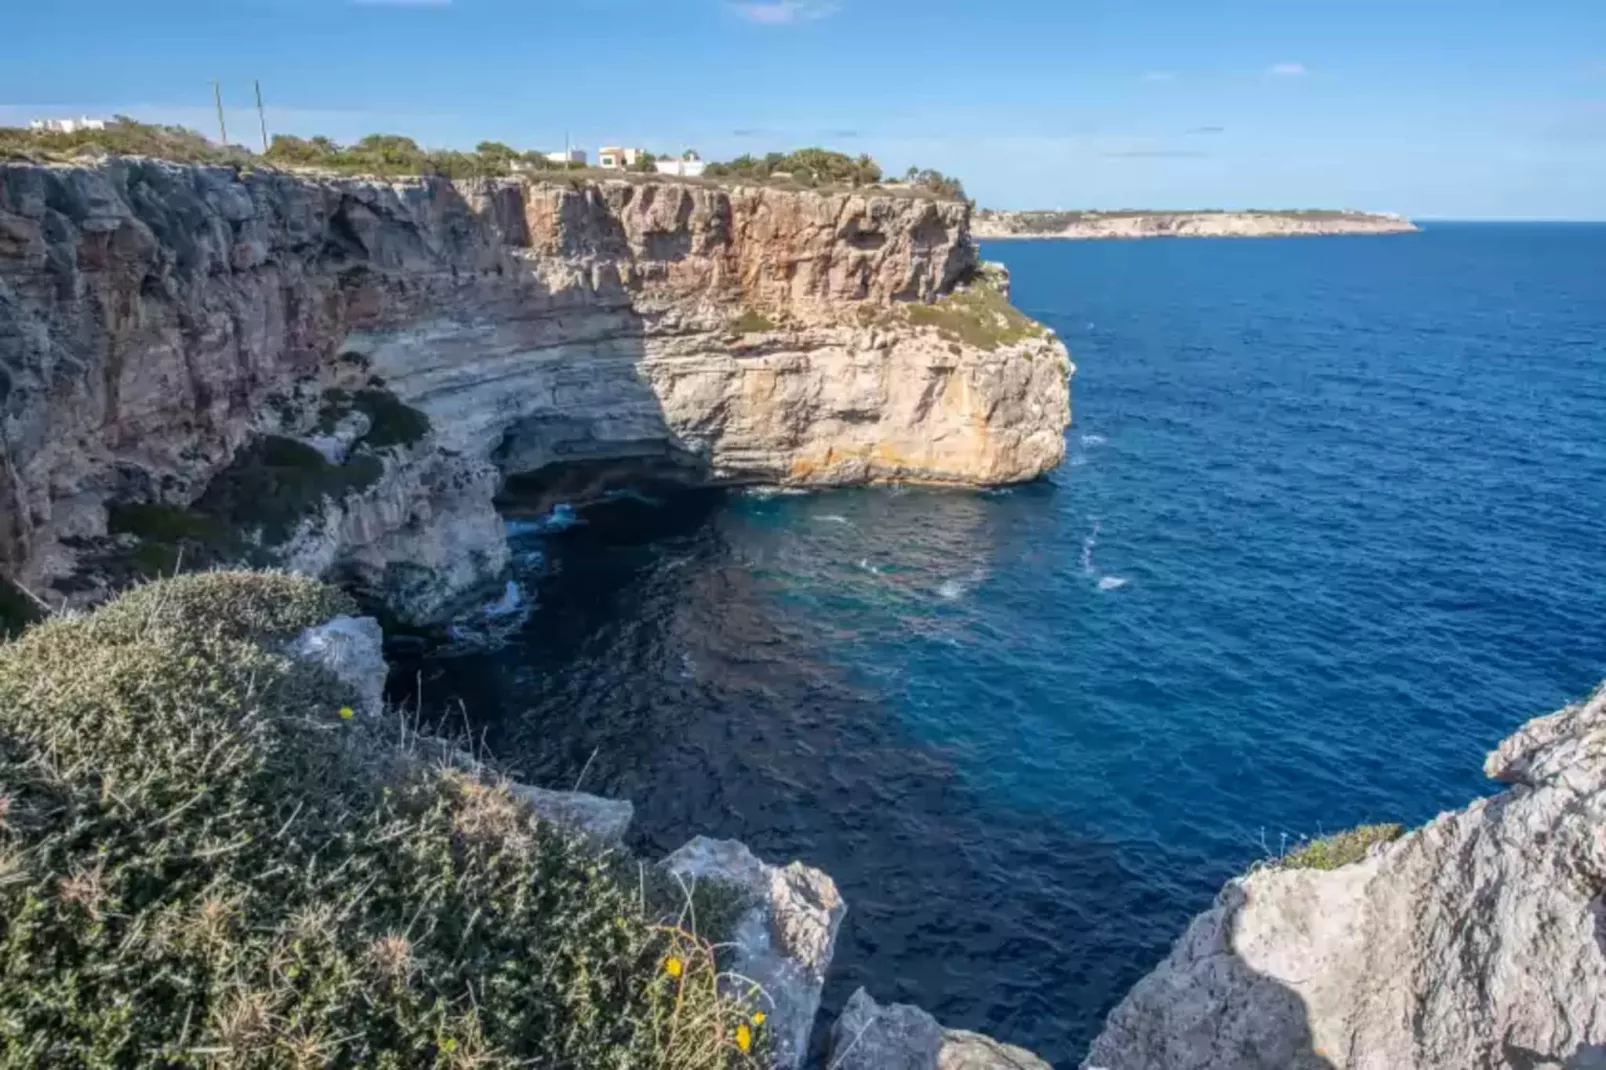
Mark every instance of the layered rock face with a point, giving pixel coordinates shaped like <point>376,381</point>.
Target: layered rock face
<point>1479,940</point>
<point>156,318</point>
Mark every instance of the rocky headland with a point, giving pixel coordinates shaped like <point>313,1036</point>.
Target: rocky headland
<point>205,364</point>
<point>993,224</point>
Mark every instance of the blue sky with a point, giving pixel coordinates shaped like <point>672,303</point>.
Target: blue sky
<point>1465,109</point>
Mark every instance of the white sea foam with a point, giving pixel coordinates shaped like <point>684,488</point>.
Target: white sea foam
<point>833,518</point>
<point>1088,543</point>
<point>1093,440</point>
<point>951,589</point>
<point>1110,583</point>
<point>492,624</point>
<point>562,517</point>
<point>767,491</point>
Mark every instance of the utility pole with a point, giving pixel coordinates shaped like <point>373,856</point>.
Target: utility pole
<point>222,131</point>
<point>262,116</point>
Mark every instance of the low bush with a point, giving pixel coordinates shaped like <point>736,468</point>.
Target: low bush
<point>275,482</point>
<point>391,422</point>
<point>752,322</point>
<point>1340,848</point>
<point>978,315</point>
<point>206,860</point>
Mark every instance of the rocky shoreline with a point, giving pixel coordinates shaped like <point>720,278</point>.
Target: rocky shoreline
<point>1476,940</point>
<point>999,225</point>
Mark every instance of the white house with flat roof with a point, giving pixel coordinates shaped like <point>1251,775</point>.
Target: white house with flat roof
<point>688,166</point>
<point>615,158</point>
<point>67,126</point>
<point>568,156</point>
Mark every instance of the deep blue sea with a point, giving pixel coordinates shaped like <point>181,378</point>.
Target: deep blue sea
<point>1332,521</point>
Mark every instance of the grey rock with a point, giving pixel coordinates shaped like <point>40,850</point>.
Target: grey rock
<point>870,1036</point>
<point>1478,940</point>
<point>785,938</point>
<point>352,648</point>
<point>604,821</point>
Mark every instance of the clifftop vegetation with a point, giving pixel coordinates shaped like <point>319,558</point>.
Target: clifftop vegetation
<point>395,155</point>
<point>207,859</point>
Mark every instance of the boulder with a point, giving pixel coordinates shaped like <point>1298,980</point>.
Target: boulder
<point>352,648</point>
<point>783,940</point>
<point>869,1036</point>
<point>1479,940</point>
<point>601,820</point>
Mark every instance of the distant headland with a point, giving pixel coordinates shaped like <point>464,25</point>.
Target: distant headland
<point>1207,223</point>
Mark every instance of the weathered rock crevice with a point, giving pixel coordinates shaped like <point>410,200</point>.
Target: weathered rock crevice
<point>155,319</point>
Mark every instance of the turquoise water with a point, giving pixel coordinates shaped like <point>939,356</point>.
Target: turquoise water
<point>1332,521</point>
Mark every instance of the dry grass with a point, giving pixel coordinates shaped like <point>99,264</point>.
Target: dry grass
<point>202,863</point>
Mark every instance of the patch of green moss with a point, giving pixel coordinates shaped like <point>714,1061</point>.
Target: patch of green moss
<point>274,483</point>
<point>391,422</point>
<point>1340,848</point>
<point>979,316</point>
<point>752,321</point>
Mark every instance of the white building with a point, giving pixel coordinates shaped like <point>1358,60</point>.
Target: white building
<point>571,156</point>
<point>67,126</point>
<point>615,158</point>
<point>688,166</point>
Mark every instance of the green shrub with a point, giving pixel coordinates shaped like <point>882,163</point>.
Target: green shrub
<point>752,322</point>
<point>203,862</point>
<point>1340,848</point>
<point>390,421</point>
<point>275,482</point>
<point>978,315</point>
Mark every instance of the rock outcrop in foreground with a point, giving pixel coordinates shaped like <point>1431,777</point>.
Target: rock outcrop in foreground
<point>1478,940</point>
<point>1246,224</point>
<point>338,374</point>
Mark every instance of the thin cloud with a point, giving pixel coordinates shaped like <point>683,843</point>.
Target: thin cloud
<point>746,132</point>
<point>1159,76</point>
<point>1206,130</point>
<point>842,134</point>
<point>782,12</point>
<point>1287,70</point>
<point>1155,154</point>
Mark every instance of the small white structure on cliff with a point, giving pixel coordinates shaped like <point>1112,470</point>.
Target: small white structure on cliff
<point>67,126</point>
<point>614,158</point>
<point>568,156</point>
<point>688,166</point>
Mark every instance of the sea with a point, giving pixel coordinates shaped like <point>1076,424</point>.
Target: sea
<point>1331,523</point>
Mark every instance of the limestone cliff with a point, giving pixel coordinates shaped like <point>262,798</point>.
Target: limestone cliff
<point>1204,224</point>
<point>1479,940</point>
<point>184,335</point>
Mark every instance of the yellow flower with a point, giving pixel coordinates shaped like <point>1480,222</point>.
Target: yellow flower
<point>758,1017</point>
<point>672,966</point>
<point>744,1037</point>
<point>347,713</point>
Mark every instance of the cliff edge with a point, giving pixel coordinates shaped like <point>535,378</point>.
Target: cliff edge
<point>337,374</point>
<point>1478,940</point>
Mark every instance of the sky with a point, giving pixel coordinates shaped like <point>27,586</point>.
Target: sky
<point>1431,108</point>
